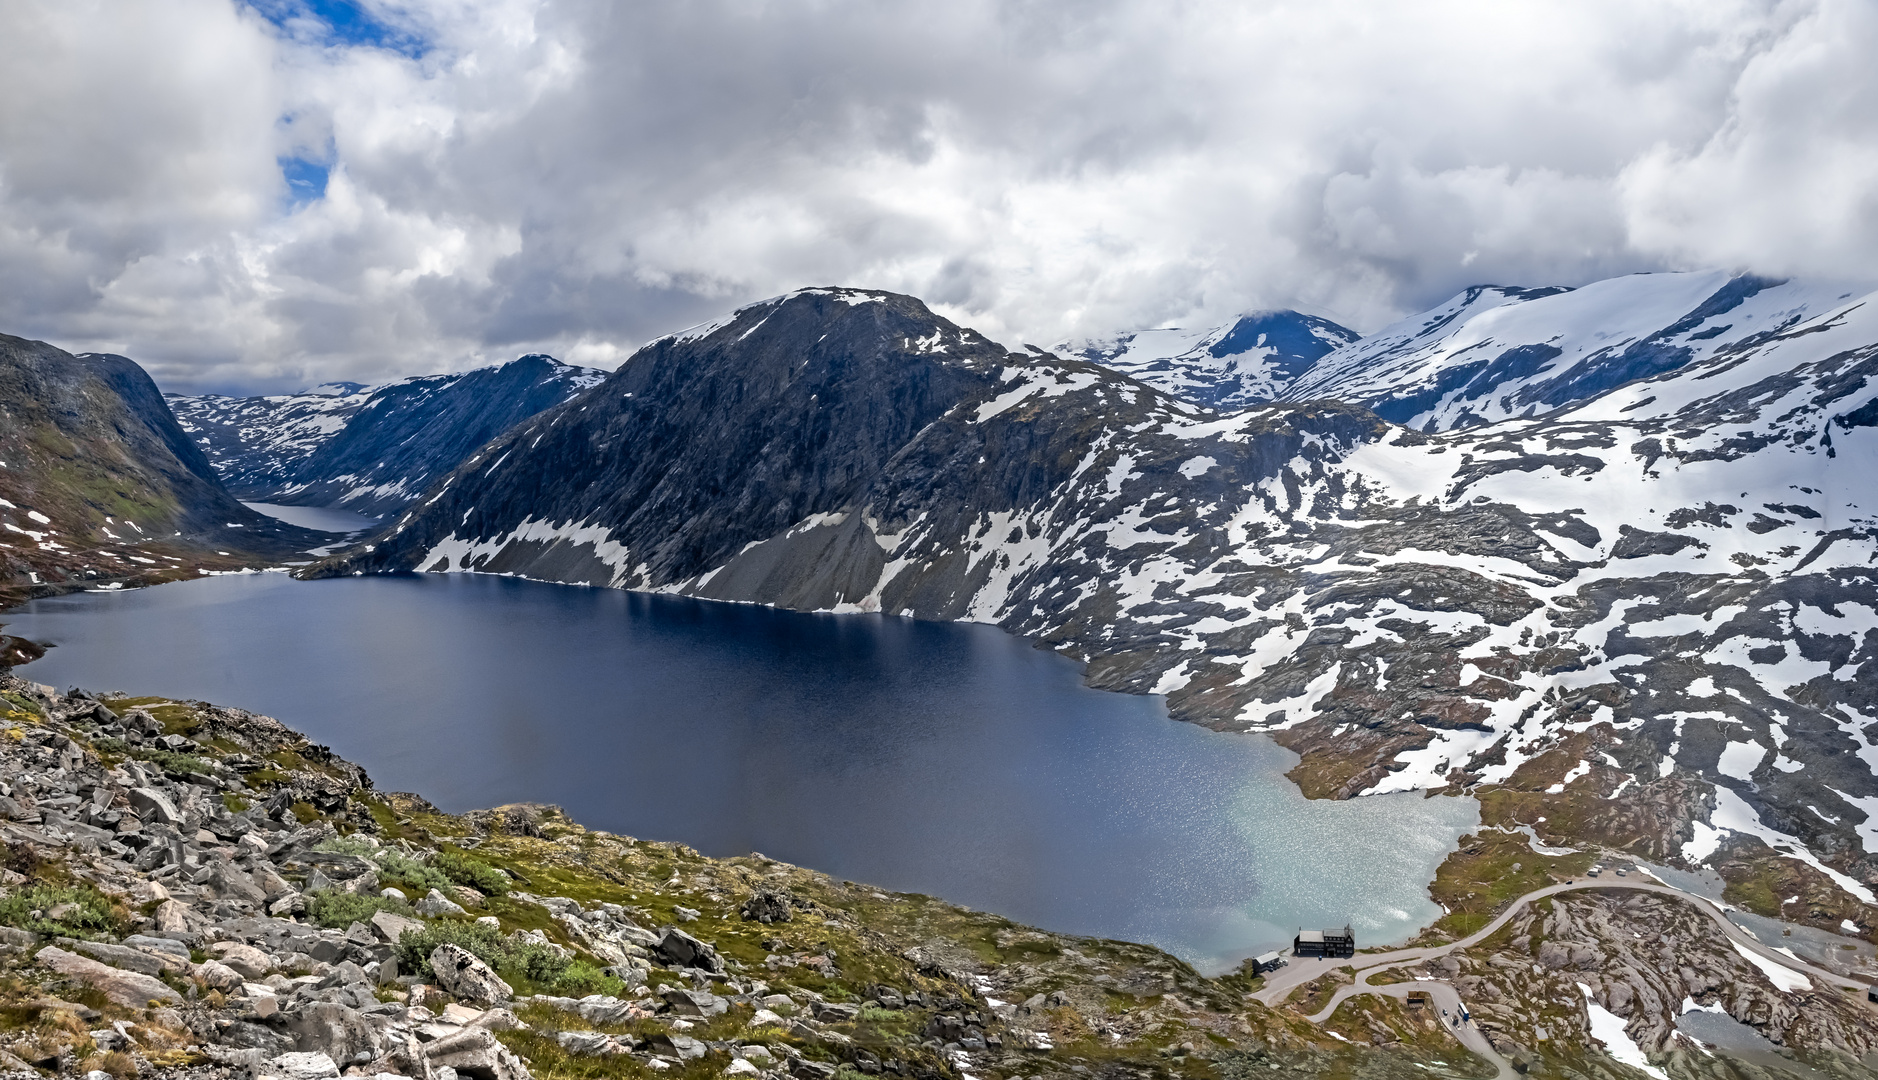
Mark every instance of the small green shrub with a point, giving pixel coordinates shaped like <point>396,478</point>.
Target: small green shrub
<point>524,966</point>
<point>582,978</point>
<point>89,913</point>
<point>484,942</point>
<point>175,764</point>
<point>408,870</point>
<point>396,864</point>
<point>475,873</point>
<point>338,910</point>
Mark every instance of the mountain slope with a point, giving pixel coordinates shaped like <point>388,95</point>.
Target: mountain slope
<point>1249,360</point>
<point>370,449</point>
<point>1649,622</point>
<point>99,483</point>
<point>1495,353</point>
<point>256,444</point>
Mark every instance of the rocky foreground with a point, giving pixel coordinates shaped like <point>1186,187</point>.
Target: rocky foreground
<point>199,891</point>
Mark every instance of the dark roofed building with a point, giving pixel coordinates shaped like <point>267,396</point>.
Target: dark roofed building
<point>1329,943</point>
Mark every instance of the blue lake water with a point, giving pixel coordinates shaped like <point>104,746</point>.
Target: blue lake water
<point>326,519</point>
<point>950,759</point>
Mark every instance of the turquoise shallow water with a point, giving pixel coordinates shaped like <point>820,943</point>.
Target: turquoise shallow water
<point>950,759</point>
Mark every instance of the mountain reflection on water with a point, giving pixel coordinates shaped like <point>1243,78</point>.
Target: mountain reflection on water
<point>950,759</point>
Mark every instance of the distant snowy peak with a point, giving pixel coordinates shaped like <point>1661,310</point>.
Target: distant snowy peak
<point>336,389</point>
<point>370,448</point>
<point>1241,363</point>
<point>1494,353</point>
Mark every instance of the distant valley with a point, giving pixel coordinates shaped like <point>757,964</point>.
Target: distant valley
<point>369,449</point>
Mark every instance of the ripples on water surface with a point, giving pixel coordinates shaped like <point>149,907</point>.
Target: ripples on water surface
<point>944,758</point>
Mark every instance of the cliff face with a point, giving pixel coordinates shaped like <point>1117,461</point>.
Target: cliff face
<point>101,483</point>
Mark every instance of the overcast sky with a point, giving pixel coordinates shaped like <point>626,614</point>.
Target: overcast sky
<point>262,196</point>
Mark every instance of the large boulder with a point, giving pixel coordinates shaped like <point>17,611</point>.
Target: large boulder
<point>461,974</point>
<point>231,882</point>
<point>391,926</point>
<point>131,989</point>
<point>330,1028</point>
<point>173,917</point>
<point>436,903</point>
<point>127,958</point>
<point>250,962</point>
<point>695,1002</point>
<point>154,805</point>
<point>686,951</point>
<point>475,1053</point>
<point>302,1066</point>
<point>218,976</point>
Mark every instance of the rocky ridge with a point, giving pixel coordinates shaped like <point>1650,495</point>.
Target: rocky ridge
<point>191,890</point>
<point>100,486</point>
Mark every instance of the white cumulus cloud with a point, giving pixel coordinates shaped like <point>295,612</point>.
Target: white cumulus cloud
<point>269,194</point>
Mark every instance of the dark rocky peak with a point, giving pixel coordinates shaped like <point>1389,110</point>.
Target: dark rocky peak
<point>724,434</point>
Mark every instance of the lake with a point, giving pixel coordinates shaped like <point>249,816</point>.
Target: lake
<point>943,758</point>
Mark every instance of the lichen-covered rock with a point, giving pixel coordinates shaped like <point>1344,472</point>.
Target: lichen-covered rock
<point>475,1052</point>
<point>460,973</point>
<point>436,903</point>
<point>131,989</point>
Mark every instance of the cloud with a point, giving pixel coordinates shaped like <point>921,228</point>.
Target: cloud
<point>271,194</point>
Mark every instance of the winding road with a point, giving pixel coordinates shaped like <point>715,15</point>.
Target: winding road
<point>1280,984</point>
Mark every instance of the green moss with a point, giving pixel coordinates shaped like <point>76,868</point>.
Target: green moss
<point>1491,869</point>
<point>173,763</point>
<point>18,703</point>
<point>475,873</point>
<point>176,718</point>
<point>87,913</point>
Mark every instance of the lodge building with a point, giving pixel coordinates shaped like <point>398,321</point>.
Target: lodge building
<point>1340,944</point>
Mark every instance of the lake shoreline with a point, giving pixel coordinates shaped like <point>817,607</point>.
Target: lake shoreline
<point>1178,899</point>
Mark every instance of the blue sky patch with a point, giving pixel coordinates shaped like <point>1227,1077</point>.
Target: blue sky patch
<point>341,23</point>
<point>306,179</point>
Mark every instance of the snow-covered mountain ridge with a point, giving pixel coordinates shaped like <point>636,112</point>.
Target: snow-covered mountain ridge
<point>1647,620</point>
<point>369,448</point>
<point>1494,353</point>
<point>1246,361</point>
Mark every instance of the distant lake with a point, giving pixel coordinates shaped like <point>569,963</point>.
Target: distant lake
<point>944,758</point>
